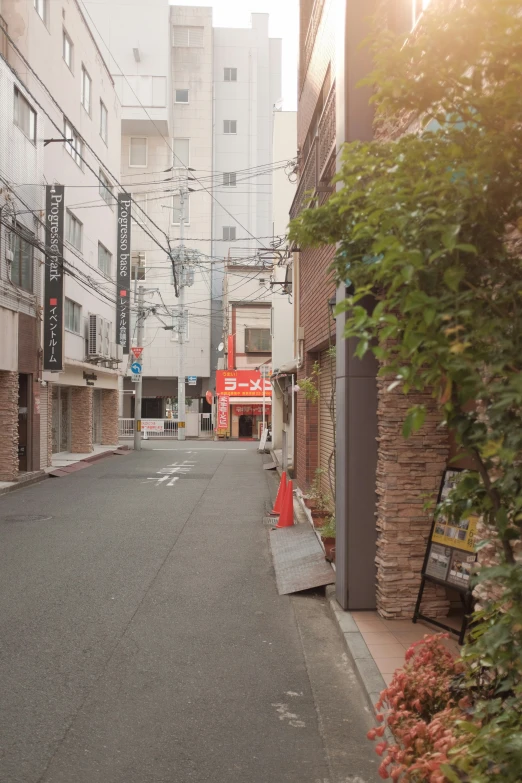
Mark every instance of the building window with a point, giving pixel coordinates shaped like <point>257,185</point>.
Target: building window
<point>104,122</point>
<point>41,9</point>
<point>73,316</point>
<point>176,210</point>
<point>258,341</point>
<point>74,144</point>
<point>229,126</point>
<point>86,90</point>
<point>181,153</point>
<point>138,266</point>
<point>231,74</point>
<point>104,259</point>
<point>187,36</point>
<point>105,189</point>
<point>24,116</point>
<point>22,263</point>
<point>229,233</point>
<point>418,6</point>
<point>182,96</point>
<point>229,179</point>
<point>138,152</point>
<point>67,50</point>
<point>73,230</point>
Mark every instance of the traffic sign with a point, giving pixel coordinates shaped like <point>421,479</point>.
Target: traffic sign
<point>135,368</point>
<point>192,380</point>
<point>137,352</point>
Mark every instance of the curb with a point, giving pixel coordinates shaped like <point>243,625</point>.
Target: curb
<point>365,667</point>
<point>24,483</point>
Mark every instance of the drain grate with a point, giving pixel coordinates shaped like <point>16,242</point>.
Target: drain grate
<point>25,518</point>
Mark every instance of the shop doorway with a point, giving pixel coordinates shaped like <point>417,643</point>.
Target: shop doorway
<point>97,416</point>
<point>61,425</point>
<point>23,421</point>
<point>245,426</point>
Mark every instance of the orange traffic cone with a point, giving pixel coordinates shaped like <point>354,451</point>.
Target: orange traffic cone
<point>278,505</point>
<point>286,518</point>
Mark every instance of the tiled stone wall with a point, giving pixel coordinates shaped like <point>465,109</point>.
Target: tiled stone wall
<point>81,419</point>
<point>110,416</point>
<point>409,472</point>
<point>8,426</point>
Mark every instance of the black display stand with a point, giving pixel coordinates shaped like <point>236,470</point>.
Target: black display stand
<point>464,592</point>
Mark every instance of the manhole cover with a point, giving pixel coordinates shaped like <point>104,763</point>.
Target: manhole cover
<point>26,518</point>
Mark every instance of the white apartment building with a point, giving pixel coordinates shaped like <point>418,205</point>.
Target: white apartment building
<point>163,74</point>
<point>21,161</point>
<point>56,56</point>
<point>247,86</point>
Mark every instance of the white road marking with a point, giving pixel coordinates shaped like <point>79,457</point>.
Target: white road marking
<point>291,717</point>
<point>204,448</point>
<point>173,479</point>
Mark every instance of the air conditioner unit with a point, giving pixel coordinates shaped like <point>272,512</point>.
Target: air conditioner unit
<point>95,338</point>
<point>9,255</point>
<point>116,352</point>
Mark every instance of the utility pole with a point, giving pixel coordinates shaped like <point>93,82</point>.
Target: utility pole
<point>139,387</point>
<point>181,324</point>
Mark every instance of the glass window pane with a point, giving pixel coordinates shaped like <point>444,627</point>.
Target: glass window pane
<point>26,262</point>
<point>138,152</point>
<point>181,152</point>
<point>182,96</point>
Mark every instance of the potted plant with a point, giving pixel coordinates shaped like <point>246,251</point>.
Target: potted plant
<point>310,499</point>
<point>322,510</point>
<point>328,538</point>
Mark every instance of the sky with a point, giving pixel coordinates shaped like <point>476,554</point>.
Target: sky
<point>284,23</point>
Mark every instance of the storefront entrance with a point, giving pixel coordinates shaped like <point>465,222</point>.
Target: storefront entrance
<point>61,419</point>
<point>245,426</point>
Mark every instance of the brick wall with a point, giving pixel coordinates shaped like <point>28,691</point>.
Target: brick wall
<point>323,55</point>
<point>81,419</point>
<point>8,426</point>
<point>110,416</point>
<point>408,473</point>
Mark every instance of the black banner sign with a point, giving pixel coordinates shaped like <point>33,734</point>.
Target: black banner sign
<point>124,272</point>
<point>53,298</point>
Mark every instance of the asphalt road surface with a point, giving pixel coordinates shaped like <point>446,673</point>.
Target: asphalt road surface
<point>142,639</point>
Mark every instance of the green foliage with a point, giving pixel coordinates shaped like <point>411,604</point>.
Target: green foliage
<point>310,386</point>
<point>430,226</point>
<point>328,529</point>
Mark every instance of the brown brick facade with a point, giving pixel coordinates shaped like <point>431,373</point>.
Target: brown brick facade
<point>81,419</point>
<point>8,426</point>
<point>408,473</point>
<point>110,416</point>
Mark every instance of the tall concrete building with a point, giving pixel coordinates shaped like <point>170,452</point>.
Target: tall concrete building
<point>197,109</point>
<point>247,86</point>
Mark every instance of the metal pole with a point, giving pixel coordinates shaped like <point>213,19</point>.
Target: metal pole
<point>181,325</point>
<point>263,381</point>
<point>137,401</point>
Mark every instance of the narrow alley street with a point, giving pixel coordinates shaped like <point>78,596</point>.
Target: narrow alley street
<point>142,639</point>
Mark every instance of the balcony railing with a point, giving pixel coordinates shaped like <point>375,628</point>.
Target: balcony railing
<point>316,173</point>
<point>311,33</point>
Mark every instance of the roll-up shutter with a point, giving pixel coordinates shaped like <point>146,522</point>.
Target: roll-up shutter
<point>327,420</point>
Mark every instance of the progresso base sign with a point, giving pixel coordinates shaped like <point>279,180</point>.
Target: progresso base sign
<point>123,272</point>
<point>53,297</point>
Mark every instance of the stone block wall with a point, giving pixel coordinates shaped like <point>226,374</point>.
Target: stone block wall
<point>409,473</point>
<point>8,426</point>
<point>81,419</point>
<point>110,416</point>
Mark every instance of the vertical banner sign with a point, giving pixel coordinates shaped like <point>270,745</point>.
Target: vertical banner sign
<point>53,301</point>
<point>223,403</point>
<point>124,272</point>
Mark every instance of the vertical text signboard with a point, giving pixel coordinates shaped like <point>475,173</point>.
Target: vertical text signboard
<point>124,272</point>
<point>53,300</point>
